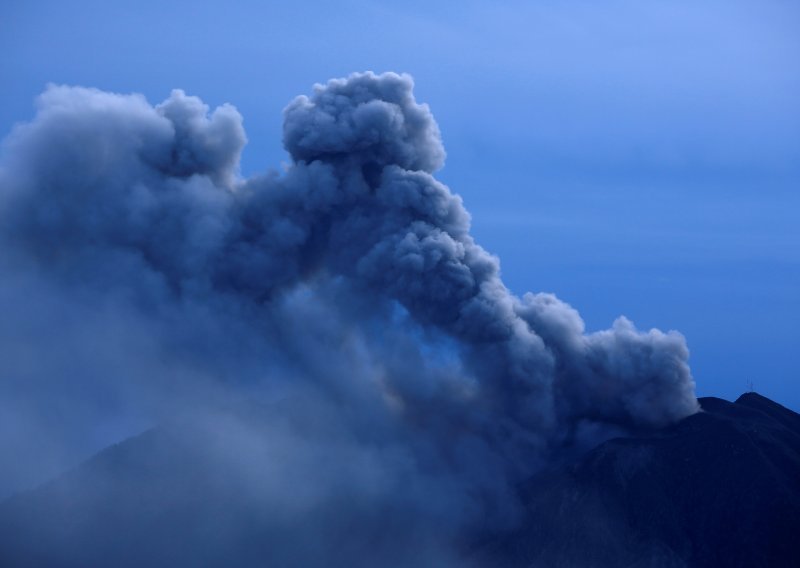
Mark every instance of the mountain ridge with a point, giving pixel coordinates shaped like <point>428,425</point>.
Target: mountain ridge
<point>719,488</point>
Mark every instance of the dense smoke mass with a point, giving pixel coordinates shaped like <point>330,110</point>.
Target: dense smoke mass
<point>344,293</point>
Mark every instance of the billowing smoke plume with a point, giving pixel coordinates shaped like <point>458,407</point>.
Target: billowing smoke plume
<point>355,242</point>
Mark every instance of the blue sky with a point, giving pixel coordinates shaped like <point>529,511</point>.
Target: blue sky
<point>636,158</point>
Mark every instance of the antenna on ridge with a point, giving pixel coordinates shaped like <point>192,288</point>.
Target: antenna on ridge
<point>750,385</point>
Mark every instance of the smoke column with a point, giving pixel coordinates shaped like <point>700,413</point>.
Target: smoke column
<point>122,202</point>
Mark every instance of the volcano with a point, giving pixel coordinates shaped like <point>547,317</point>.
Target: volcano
<point>719,488</point>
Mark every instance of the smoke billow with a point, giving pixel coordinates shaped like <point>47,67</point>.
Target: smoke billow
<point>351,274</point>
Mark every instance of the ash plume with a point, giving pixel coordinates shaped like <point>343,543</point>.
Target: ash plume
<point>351,274</point>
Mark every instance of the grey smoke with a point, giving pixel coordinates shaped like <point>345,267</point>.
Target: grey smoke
<point>351,274</point>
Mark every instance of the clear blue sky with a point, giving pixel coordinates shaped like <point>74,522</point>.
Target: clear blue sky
<point>638,158</point>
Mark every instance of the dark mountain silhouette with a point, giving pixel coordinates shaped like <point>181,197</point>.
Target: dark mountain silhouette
<point>720,488</point>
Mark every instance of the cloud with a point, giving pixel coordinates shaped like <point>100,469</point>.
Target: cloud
<point>347,288</point>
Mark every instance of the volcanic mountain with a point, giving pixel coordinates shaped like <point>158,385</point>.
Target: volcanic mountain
<point>719,488</point>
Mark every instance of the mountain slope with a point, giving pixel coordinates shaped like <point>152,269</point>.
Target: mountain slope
<point>720,488</point>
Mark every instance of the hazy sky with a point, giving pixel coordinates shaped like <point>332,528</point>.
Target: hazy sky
<point>636,158</point>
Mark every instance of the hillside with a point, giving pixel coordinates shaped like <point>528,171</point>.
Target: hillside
<point>720,488</point>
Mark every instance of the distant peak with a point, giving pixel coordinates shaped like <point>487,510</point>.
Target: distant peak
<point>759,402</point>
<point>752,398</point>
<point>753,395</point>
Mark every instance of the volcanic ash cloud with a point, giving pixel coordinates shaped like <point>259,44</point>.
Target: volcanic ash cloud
<point>109,195</point>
